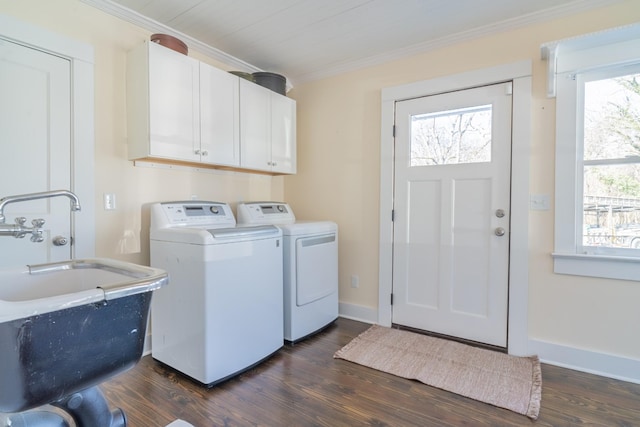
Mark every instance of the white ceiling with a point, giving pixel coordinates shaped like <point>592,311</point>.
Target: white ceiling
<point>310,39</point>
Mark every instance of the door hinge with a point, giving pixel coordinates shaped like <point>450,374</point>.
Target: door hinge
<point>393,131</point>
<point>393,215</point>
<point>509,89</point>
<point>391,299</point>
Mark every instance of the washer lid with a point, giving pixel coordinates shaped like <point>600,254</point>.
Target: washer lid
<point>241,232</point>
<point>214,236</point>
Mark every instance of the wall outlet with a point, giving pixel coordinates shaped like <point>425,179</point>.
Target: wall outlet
<point>355,281</point>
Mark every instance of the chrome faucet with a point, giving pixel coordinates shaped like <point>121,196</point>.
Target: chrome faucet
<point>18,229</point>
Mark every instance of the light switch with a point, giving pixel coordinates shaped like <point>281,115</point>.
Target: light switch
<point>109,201</point>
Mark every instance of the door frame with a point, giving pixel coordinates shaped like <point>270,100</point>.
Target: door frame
<point>520,74</point>
<point>81,58</point>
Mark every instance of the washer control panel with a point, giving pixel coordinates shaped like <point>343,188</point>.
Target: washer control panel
<point>265,213</point>
<point>193,214</point>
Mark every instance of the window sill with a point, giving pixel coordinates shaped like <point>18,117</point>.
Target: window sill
<point>605,266</point>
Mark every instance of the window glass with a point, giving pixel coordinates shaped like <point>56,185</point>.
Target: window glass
<point>451,137</point>
<point>611,153</point>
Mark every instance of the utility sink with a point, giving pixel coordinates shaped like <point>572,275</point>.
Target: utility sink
<point>67,326</point>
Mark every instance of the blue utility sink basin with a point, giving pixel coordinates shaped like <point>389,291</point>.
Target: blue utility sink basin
<point>67,326</point>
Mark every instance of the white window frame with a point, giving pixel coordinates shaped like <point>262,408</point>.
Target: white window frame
<point>569,62</point>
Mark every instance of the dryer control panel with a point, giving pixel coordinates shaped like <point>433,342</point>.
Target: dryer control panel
<point>192,214</point>
<point>265,213</point>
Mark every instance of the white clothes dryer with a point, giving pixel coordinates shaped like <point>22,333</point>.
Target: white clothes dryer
<point>310,267</point>
<point>222,311</point>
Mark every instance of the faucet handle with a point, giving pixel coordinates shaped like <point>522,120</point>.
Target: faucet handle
<point>19,231</point>
<point>36,236</point>
<point>38,222</point>
<point>36,231</point>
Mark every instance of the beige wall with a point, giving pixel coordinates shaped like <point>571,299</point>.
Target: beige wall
<point>123,233</point>
<point>338,160</point>
<point>338,164</point>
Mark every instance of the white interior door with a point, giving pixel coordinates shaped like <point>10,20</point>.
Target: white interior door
<point>35,137</point>
<point>451,206</point>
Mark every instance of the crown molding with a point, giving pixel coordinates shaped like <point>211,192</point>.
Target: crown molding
<point>153,26</point>
<point>135,18</point>
<point>487,30</point>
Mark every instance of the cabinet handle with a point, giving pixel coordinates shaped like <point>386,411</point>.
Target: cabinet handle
<point>205,153</point>
<point>197,152</point>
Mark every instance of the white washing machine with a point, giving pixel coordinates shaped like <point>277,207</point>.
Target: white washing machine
<point>310,267</point>
<point>222,311</point>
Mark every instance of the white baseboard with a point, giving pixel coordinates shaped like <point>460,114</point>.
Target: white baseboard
<point>348,311</point>
<point>147,344</point>
<point>606,365</point>
<point>358,312</point>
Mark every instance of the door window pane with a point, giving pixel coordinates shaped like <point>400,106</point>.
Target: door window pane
<point>611,180</point>
<point>451,137</point>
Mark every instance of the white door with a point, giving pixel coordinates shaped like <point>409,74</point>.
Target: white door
<point>35,156</point>
<point>451,206</point>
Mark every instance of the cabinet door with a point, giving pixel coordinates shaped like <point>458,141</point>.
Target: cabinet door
<point>174,111</point>
<point>283,134</point>
<point>255,126</point>
<point>219,117</point>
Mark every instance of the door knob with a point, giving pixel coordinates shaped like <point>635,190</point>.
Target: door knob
<point>499,231</point>
<point>500,213</point>
<point>60,241</point>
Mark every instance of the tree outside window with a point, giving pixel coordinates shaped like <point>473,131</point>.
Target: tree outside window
<point>611,181</point>
<point>451,137</point>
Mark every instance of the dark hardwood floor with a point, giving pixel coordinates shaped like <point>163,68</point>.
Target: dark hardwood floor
<point>303,385</point>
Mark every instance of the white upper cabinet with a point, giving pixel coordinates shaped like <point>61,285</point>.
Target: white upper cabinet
<point>180,109</point>
<point>255,126</point>
<point>219,117</point>
<point>163,104</point>
<point>267,130</point>
<point>283,134</point>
